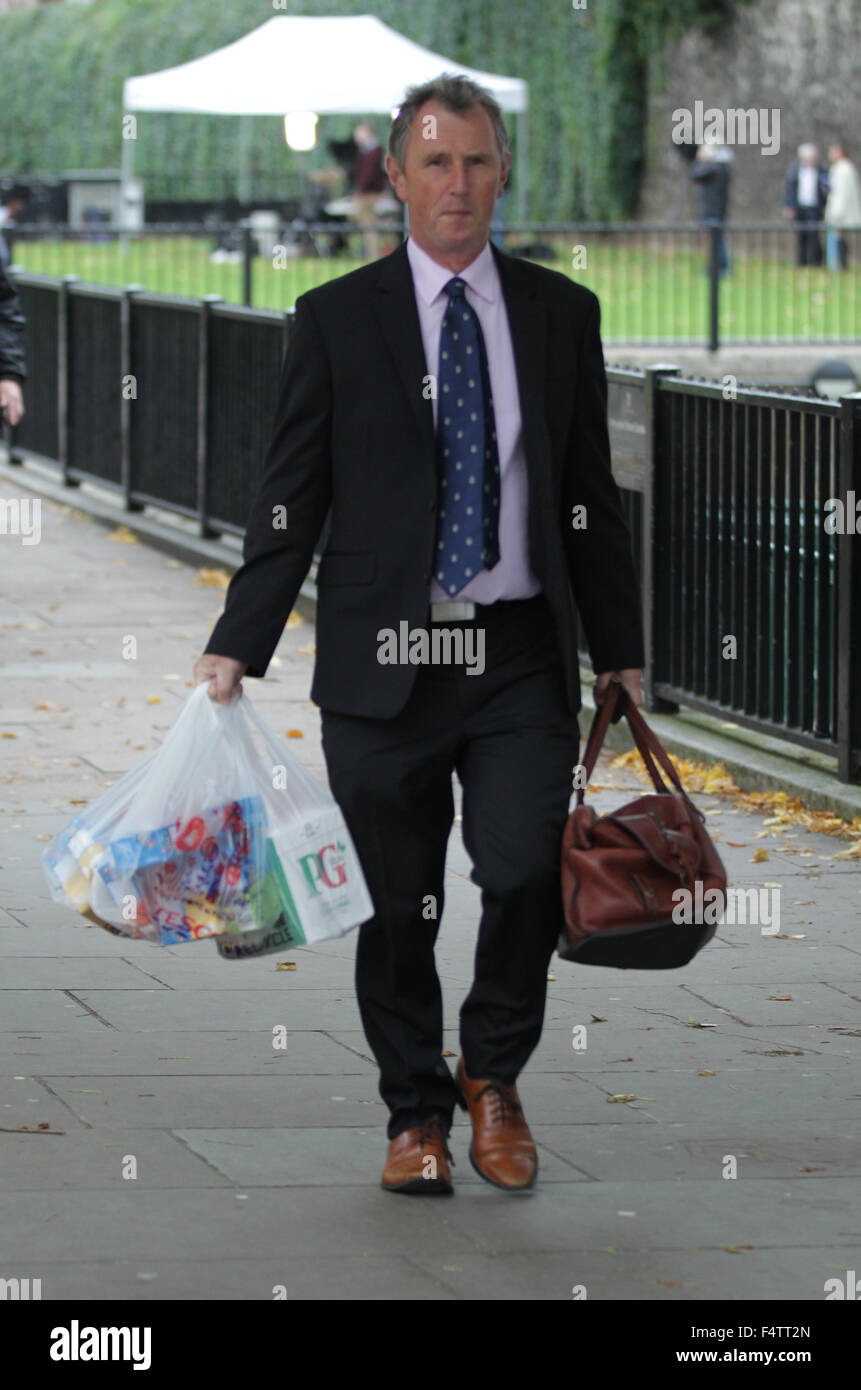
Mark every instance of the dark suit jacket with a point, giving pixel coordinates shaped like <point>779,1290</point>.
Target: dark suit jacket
<point>354,432</point>
<point>790,189</point>
<point>12,324</point>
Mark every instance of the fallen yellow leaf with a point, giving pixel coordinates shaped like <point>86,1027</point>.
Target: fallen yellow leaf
<point>212,578</point>
<point>704,1071</point>
<point>285,965</point>
<point>759,856</point>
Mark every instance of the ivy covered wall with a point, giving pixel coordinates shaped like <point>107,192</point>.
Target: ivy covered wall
<point>62,69</point>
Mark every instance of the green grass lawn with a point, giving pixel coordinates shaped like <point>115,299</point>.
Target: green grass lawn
<point>647,292</point>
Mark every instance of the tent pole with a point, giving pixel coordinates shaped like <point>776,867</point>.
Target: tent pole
<point>244,173</point>
<point>522,161</point>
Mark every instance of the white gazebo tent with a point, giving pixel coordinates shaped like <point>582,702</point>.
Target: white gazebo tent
<point>350,65</point>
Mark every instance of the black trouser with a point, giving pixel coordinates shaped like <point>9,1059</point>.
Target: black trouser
<point>809,243</point>
<point>511,738</point>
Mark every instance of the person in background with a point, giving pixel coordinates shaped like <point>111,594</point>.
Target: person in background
<point>9,209</point>
<point>13,371</point>
<point>369,181</point>
<point>711,173</point>
<point>843,208</point>
<point>804,196</point>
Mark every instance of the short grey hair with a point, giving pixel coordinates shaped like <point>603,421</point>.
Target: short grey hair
<point>456,94</point>
<point>810,151</point>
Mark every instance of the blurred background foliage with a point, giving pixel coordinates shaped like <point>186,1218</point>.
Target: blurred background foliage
<point>588,69</point>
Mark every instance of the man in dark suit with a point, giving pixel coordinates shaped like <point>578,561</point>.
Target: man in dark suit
<point>805,193</point>
<point>448,404</point>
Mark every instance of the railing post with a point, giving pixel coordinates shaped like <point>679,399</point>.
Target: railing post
<point>651,537</point>
<point>715,233</point>
<point>287,327</point>
<point>204,530</point>
<point>63,360</point>
<point>848,659</point>
<point>127,401</point>
<point>248,249</point>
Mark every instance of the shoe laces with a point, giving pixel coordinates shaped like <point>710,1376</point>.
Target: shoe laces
<point>435,1127</point>
<point>504,1106</point>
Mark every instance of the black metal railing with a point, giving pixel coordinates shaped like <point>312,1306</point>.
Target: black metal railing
<point>683,283</point>
<point>751,589</point>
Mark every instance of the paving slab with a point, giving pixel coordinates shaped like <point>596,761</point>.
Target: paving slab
<point>189,1053</point>
<point>371,1277</point>
<point>203,1224</point>
<point>153,1009</point>
<point>169,1102</point>
<point>319,1157</point>
<point>98,1160</point>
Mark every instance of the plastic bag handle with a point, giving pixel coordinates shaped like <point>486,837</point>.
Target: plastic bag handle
<point>259,723</point>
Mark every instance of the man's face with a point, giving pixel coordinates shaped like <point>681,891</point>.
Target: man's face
<point>810,158</point>
<point>451,179</point>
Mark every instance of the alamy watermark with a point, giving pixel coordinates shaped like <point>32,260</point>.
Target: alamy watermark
<point>21,517</point>
<point>735,126</point>
<point>715,906</point>
<point>441,646</point>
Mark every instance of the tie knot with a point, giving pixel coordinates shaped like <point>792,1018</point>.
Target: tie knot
<point>456,288</point>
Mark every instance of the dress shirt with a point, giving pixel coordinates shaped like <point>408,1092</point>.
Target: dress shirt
<point>511,577</point>
<point>808,186</point>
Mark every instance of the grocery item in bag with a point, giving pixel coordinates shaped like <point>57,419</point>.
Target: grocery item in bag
<point>207,837</point>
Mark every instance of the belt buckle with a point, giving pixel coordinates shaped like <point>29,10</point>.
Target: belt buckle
<point>452,609</point>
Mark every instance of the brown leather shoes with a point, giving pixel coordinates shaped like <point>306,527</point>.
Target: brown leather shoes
<point>502,1151</point>
<point>418,1159</point>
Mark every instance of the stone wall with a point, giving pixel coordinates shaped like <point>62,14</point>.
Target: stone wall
<point>802,59</point>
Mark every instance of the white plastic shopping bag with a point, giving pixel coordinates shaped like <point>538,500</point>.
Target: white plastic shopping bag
<point>209,836</point>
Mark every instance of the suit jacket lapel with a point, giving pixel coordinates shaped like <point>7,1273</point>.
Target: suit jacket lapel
<point>395,305</point>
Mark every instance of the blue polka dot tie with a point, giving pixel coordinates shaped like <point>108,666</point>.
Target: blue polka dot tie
<point>468,524</point>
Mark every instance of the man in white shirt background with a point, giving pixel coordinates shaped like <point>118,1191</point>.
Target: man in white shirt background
<point>804,195</point>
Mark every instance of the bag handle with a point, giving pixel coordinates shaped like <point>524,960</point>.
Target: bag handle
<point>644,739</point>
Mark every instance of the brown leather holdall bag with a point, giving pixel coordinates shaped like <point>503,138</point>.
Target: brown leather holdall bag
<point>620,872</point>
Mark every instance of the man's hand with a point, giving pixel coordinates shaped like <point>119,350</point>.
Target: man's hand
<point>629,679</point>
<point>11,400</point>
<point>224,674</point>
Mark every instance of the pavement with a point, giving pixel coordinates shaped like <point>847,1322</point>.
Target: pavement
<point>184,1157</point>
<point>782,364</point>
